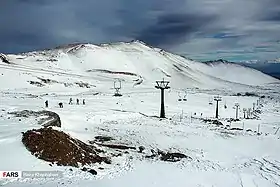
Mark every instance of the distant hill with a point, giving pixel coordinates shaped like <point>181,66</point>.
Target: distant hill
<point>272,69</point>
<point>269,67</point>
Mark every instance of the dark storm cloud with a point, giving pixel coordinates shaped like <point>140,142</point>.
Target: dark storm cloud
<point>173,28</point>
<point>271,11</point>
<point>198,28</point>
<point>40,2</point>
<point>274,16</point>
<point>30,25</point>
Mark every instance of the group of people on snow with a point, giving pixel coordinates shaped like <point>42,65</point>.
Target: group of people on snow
<point>60,104</point>
<point>77,101</point>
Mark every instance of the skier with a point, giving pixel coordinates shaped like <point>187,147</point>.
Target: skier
<point>84,101</point>
<point>47,103</point>
<point>77,101</point>
<point>60,105</point>
<point>70,101</point>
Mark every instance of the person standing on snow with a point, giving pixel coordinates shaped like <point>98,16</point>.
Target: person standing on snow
<point>60,105</point>
<point>70,101</point>
<point>47,103</point>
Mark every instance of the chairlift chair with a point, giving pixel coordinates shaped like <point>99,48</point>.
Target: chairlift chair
<point>185,99</point>
<point>210,101</point>
<point>117,87</point>
<point>180,98</point>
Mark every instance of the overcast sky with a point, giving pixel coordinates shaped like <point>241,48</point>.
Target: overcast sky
<point>199,29</point>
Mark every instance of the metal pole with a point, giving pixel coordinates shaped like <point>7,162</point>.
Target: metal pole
<point>217,98</point>
<point>236,107</point>
<point>162,112</point>
<point>162,85</point>
<point>217,109</point>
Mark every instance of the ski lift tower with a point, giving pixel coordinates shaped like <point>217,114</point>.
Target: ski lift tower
<point>217,99</point>
<point>162,85</point>
<point>117,87</point>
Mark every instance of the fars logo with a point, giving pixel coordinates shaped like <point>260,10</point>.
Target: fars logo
<point>10,174</point>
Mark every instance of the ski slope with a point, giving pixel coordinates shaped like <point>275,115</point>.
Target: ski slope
<point>135,62</point>
<point>220,156</point>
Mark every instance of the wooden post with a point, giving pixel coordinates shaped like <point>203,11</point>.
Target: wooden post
<point>181,116</point>
<point>236,107</point>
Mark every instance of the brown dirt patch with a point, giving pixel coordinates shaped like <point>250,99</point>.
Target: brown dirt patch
<point>213,121</point>
<point>36,83</point>
<point>103,138</point>
<point>57,147</point>
<point>168,156</point>
<point>115,146</point>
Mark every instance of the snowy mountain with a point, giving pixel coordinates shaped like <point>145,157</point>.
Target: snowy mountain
<point>112,141</point>
<point>135,63</point>
<point>270,67</point>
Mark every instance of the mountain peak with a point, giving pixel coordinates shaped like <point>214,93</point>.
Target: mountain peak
<point>217,61</point>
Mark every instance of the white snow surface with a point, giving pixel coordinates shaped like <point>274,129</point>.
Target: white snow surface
<point>219,157</point>
<point>134,62</point>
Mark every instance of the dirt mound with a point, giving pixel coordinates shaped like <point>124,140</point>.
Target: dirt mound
<point>213,121</point>
<point>116,146</point>
<point>92,171</point>
<point>168,156</point>
<point>103,138</point>
<point>47,118</point>
<point>47,81</point>
<point>172,157</point>
<point>57,147</point>
<point>36,83</point>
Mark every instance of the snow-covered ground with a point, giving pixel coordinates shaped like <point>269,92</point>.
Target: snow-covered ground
<point>219,156</point>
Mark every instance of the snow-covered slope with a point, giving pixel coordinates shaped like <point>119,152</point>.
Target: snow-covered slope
<point>135,62</point>
<point>236,153</point>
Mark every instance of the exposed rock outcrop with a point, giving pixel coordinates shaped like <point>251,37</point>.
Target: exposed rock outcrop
<point>4,59</point>
<point>59,148</point>
<point>49,118</point>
